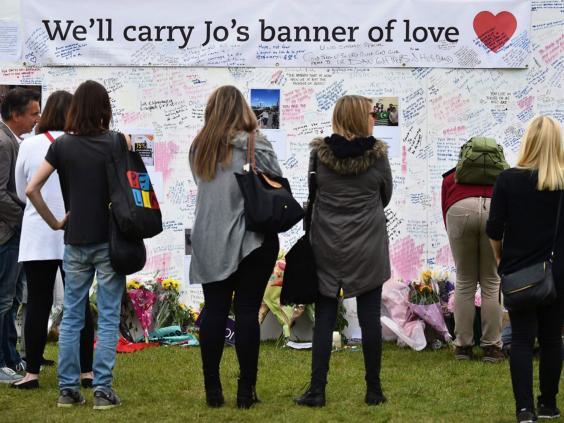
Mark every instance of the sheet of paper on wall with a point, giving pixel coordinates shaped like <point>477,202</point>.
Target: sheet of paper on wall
<point>192,295</point>
<point>386,123</point>
<point>277,138</point>
<point>10,41</point>
<point>157,182</point>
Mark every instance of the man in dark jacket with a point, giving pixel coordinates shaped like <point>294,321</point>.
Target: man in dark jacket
<point>20,113</point>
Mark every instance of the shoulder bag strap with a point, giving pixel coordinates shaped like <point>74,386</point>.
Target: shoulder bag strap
<point>49,137</point>
<point>312,183</point>
<point>556,228</point>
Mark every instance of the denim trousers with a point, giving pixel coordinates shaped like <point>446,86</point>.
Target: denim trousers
<point>11,289</point>
<point>81,263</point>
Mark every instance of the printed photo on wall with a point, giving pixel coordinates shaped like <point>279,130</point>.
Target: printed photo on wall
<point>266,106</point>
<point>144,145</point>
<point>4,89</point>
<point>386,123</point>
<point>386,109</point>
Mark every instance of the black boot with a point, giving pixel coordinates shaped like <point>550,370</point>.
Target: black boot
<point>246,394</point>
<point>312,397</point>
<point>214,393</point>
<point>374,397</point>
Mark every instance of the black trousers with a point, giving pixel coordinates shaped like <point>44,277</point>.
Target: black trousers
<point>544,323</point>
<point>246,288</point>
<point>40,283</point>
<point>368,309</point>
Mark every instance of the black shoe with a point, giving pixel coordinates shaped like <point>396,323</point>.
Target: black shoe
<point>526,415</point>
<point>30,384</point>
<point>69,398</point>
<point>86,382</point>
<point>312,397</point>
<point>246,394</point>
<point>544,412</point>
<point>47,362</point>
<point>214,398</point>
<point>105,399</point>
<point>374,398</point>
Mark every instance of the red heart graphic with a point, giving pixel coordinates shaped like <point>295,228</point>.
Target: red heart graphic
<point>494,30</point>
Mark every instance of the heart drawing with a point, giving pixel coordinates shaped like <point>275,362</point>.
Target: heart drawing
<point>494,30</point>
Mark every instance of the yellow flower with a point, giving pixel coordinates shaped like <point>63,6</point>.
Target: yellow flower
<point>133,284</point>
<point>426,276</point>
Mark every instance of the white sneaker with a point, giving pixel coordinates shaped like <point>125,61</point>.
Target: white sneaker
<point>7,375</point>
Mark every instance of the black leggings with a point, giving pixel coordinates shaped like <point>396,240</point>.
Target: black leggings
<point>368,309</point>
<point>546,324</point>
<point>40,283</point>
<point>248,283</point>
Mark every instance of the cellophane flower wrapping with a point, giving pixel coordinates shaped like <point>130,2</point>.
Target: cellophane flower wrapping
<point>142,300</point>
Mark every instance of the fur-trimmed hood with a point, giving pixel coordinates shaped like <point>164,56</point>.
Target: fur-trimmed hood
<point>348,165</point>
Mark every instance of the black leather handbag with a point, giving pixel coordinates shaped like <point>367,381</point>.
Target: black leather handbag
<point>127,255</point>
<point>533,285</point>
<point>268,201</point>
<point>300,284</point>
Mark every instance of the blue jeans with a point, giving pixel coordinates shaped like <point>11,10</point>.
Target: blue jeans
<point>11,288</point>
<point>80,263</point>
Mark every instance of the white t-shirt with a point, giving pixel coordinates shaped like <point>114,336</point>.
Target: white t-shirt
<point>38,241</point>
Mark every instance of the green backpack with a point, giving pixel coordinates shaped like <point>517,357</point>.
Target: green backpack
<point>481,161</point>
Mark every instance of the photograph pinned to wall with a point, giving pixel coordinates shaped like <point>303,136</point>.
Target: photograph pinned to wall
<point>386,123</point>
<point>5,88</point>
<point>266,106</point>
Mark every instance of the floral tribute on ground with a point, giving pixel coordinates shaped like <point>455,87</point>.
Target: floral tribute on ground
<point>152,305</point>
<point>414,313</point>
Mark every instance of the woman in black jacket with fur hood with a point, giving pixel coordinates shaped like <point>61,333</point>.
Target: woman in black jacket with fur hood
<point>349,238</point>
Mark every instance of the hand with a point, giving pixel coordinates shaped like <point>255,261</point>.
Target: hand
<point>61,224</point>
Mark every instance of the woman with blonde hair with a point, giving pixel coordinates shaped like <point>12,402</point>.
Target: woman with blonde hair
<point>349,238</point>
<point>521,226</point>
<point>230,262</point>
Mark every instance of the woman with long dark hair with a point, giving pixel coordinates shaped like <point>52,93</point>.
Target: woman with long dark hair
<point>80,158</point>
<point>231,263</point>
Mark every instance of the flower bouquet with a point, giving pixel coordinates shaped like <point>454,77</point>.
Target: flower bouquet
<point>425,303</point>
<point>142,297</point>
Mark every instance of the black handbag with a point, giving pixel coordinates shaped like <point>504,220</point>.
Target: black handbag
<point>300,283</point>
<point>268,201</point>
<point>533,285</point>
<point>134,203</point>
<point>127,256</point>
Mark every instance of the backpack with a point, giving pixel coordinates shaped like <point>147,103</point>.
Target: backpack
<point>134,204</point>
<point>480,162</point>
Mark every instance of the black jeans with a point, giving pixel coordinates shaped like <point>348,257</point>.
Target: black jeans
<point>368,309</point>
<point>248,283</point>
<point>40,283</point>
<point>546,324</point>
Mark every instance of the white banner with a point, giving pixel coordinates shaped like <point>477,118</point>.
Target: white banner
<point>293,33</point>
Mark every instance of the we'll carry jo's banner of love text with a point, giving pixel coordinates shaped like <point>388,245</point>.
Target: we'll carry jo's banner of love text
<point>356,33</point>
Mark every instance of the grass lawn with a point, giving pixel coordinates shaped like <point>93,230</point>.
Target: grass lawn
<point>165,384</point>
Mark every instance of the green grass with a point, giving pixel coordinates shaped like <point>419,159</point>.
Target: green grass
<point>165,384</point>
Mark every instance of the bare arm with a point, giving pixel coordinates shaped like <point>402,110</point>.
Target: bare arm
<point>496,247</point>
<point>33,192</point>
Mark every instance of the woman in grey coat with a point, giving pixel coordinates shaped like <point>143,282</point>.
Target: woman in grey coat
<point>349,238</point>
<point>231,263</point>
